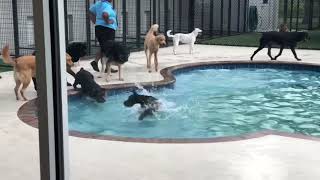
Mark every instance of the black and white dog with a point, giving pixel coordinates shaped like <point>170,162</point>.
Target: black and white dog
<point>284,39</point>
<point>88,86</point>
<point>115,54</point>
<point>149,104</point>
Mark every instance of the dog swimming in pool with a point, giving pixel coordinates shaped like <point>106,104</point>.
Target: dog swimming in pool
<point>148,104</point>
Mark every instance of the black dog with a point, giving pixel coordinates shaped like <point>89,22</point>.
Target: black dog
<point>77,50</point>
<point>284,39</point>
<point>148,103</point>
<point>88,86</point>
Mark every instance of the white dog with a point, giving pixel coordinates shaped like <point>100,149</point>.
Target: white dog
<point>184,38</point>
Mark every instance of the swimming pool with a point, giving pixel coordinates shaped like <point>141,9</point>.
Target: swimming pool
<point>210,103</point>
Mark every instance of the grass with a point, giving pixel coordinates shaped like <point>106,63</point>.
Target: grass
<point>252,40</point>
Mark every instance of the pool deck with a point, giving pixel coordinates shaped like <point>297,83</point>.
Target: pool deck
<point>269,157</point>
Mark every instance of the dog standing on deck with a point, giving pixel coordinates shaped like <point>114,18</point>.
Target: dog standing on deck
<point>117,54</point>
<point>184,38</point>
<point>152,44</point>
<point>284,39</point>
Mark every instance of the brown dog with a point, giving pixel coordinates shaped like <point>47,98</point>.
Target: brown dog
<point>24,69</point>
<point>151,44</point>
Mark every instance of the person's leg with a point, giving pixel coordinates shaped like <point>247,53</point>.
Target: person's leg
<point>99,32</point>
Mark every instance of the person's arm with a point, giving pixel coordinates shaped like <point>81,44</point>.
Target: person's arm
<point>105,16</point>
<point>92,14</point>
<point>92,17</point>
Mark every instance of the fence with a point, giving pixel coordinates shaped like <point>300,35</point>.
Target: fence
<point>217,18</point>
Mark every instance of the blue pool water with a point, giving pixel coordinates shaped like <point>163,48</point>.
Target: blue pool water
<point>211,103</point>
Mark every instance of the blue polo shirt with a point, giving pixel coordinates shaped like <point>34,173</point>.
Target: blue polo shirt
<point>104,6</point>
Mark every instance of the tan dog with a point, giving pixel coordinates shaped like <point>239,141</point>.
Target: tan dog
<point>24,69</point>
<point>151,44</point>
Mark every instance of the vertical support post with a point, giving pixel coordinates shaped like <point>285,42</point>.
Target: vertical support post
<point>191,14</point>
<point>285,11</point>
<point>166,17</point>
<point>291,13</point>
<point>319,14</point>
<point>124,21</point>
<point>180,15</point>
<point>211,18</point>
<point>245,15</point>
<point>159,13</point>
<point>52,91</point>
<point>221,17</point>
<point>65,3</point>
<point>173,15</point>
<point>15,27</point>
<point>310,23</point>
<point>138,21</point>
<point>154,11</point>
<point>298,13</point>
<point>202,16</point>
<point>229,18</point>
<point>88,27</point>
<point>238,18</point>
<point>150,9</point>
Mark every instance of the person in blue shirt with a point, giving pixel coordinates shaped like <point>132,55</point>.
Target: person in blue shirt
<point>104,17</point>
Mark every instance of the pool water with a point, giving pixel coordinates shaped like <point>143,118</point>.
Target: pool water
<point>211,103</point>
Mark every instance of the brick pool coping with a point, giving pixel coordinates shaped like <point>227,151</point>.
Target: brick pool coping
<point>28,111</point>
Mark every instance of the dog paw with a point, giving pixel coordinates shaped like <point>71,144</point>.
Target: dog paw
<point>150,71</point>
<point>299,59</point>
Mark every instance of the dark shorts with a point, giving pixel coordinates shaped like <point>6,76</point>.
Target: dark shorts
<point>104,36</point>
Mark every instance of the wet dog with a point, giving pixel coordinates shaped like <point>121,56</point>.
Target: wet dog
<point>284,39</point>
<point>149,104</point>
<point>116,54</point>
<point>88,86</point>
<point>184,38</point>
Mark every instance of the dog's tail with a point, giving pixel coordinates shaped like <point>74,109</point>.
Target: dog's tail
<point>168,33</point>
<point>6,56</point>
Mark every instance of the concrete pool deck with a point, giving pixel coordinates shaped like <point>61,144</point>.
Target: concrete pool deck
<point>269,157</point>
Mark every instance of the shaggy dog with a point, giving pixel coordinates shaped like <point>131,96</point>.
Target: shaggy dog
<point>88,86</point>
<point>152,44</point>
<point>149,104</point>
<point>24,69</point>
<point>284,39</point>
<point>116,54</point>
<point>184,38</point>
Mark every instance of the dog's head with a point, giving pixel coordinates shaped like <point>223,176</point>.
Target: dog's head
<point>77,50</point>
<point>120,53</point>
<point>197,31</point>
<point>161,39</point>
<point>132,99</point>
